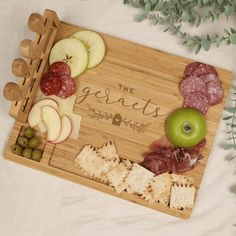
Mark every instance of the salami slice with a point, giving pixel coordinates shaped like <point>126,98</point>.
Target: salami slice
<point>67,88</point>
<point>192,84</point>
<point>210,78</point>
<point>214,93</point>
<point>50,84</point>
<point>59,68</point>
<point>190,68</point>
<point>204,69</point>
<point>198,101</point>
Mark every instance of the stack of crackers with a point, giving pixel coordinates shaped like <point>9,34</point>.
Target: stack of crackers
<point>104,164</point>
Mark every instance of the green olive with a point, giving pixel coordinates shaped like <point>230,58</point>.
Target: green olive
<point>28,132</point>
<point>37,154</point>
<point>16,149</point>
<point>27,152</point>
<point>34,142</point>
<point>23,141</point>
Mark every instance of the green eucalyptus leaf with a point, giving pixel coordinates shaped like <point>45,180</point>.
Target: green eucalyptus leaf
<point>159,6</point>
<point>227,32</point>
<point>227,146</point>
<point>227,117</point>
<point>232,38</point>
<point>232,30</point>
<point>141,17</point>
<point>148,6</point>
<point>198,49</point>
<point>230,109</point>
<point>228,42</point>
<point>206,44</point>
<point>161,20</point>
<point>136,4</point>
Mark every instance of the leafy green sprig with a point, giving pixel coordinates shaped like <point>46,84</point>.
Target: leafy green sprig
<point>230,121</point>
<point>175,13</point>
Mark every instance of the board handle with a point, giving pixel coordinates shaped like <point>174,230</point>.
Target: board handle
<point>12,92</point>
<point>20,68</point>
<point>27,49</point>
<point>36,23</point>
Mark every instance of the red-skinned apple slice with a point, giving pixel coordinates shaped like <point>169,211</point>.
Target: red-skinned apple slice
<point>66,128</point>
<point>52,120</point>
<point>34,117</point>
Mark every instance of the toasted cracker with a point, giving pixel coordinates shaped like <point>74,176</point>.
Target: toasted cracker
<point>128,163</point>
<point>159,189</point>
<point>116,177</point>
<point>109,152</point>
<point>182,197</point>
<point>92,163</point>
<point>138,179</point>
<point>182,179</point>
<point>87,153</point>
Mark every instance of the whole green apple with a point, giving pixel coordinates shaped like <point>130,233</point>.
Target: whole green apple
<point>185,127</point>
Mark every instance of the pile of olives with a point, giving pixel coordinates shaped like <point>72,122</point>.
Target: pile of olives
<point>26,145</point>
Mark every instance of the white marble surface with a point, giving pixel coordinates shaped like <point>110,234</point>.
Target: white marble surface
<point>35,203</point>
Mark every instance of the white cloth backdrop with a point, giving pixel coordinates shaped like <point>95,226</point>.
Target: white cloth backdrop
<point>35,203</point>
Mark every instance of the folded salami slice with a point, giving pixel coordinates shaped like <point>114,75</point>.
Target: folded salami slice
<point>50,84</point>
<point>210,78</point>
<point>67,87</point>
<point>214,93</point>
<point>192,84</point>
<point>190,68</point>
<point>196,100</point>
<point>204,69</point>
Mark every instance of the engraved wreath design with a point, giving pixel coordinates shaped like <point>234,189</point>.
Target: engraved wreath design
<point>117,119</point>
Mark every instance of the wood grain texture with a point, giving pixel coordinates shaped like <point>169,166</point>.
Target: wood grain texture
<point>133,74</point>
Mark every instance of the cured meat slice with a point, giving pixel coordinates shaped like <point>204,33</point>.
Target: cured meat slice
<point>67,87</point>
<point>192,84</point>
<point>210,78</point>
<point>196,100</point>
<point>204,69</point>
<point>163,142</point>
<point>59,68</point>
<point>167,158</point>
<point>50,84</point>
<point>156,163</point>
<point>214,93</point>
<point>190,68</point>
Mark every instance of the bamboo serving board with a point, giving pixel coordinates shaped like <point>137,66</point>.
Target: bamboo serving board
<point>125,99</point>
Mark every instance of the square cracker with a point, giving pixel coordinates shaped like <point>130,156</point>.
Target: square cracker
<point>138,179</point>
<point>182,179</point>
<point>182,197</point>
<point>109,152</point>
<point>86,155</point>
<point>159,190</point>
<point>116,177</point>
<point>92,163</point>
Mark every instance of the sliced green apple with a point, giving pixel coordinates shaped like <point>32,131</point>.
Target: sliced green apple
<point>73,53</point>
<point>94,44</point>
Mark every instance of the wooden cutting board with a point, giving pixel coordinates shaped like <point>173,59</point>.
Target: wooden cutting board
<point>125,99</point>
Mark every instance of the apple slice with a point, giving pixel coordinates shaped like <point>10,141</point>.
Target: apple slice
<point>73,53</point>
<point>94,44</point>
<point>52,120</point>
<point>66,128</point>
<point>34,117</point>
<point>42,127</point>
